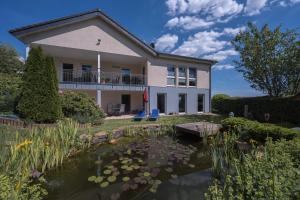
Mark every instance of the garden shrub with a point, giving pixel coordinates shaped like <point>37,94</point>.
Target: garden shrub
<point>284,109</point>
<point>258,131</point>
<point>217,100</point>
<point>270,173</point>
<point>82,108</point>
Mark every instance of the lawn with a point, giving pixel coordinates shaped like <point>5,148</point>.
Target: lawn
<point>111,124</point>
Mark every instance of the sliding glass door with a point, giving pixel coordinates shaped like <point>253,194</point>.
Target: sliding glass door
<point>182,103</point>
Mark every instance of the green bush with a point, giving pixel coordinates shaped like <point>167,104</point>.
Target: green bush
<point>258,131</point>
<point>281,110</point>
<point>39,100</point>
<point>217,100</point>
<point>269,173</point>
<point>81,107</point>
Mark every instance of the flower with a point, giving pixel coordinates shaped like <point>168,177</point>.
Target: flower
<point>23,144</point>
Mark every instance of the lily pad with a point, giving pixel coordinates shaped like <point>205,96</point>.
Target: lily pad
<point>191,166</point>
<point>174,176</point>
<point>92,178</point>
<point>112,179</point>
<point>146,174</point>
<point>99,179</point>
<point>104,184</point>
<point>168,169</point>
<point>115,196</point>
<point>125,179</point>
<point>107,172</point>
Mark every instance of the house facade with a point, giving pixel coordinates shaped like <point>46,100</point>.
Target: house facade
<point>95,55</point>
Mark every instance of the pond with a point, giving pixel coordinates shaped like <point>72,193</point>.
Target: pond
<point>152,167</point>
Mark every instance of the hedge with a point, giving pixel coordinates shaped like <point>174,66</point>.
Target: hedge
<point>280,109</point>
<point>258,131</point>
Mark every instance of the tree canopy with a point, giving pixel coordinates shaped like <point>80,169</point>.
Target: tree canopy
<point>10,62</point>
<point>269,59</point>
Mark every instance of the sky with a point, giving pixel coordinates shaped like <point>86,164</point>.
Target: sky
<point>198,28</point>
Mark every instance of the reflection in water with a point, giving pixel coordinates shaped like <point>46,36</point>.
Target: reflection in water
<point>141,168</point>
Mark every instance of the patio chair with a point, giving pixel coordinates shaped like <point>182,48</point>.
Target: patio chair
<point>141,115</point>
<point>154,115</point>
<point>122,109</point>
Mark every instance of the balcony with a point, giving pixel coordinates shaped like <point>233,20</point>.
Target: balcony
<point>106,78</point>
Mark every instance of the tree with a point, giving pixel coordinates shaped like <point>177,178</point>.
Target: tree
<point>9,60</point>
<point>39,99</point>
<point>269,59</point>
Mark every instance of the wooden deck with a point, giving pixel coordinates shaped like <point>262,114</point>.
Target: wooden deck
<point>199,128</point>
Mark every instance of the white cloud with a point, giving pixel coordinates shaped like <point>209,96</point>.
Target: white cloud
<point>222,66</point>
<point>201,43</point>
<point>253,7</point>
<point>221,55</point>
<point>234,31</point>
<point>212,8</point>
<point>166,42</point>
<point>188,23</point>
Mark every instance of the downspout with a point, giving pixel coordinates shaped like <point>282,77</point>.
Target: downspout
<point>210,89</point>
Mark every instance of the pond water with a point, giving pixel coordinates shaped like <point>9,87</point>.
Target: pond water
<point>161,167</point>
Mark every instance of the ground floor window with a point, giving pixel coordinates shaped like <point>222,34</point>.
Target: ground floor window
<point>200,102</point>
<point>182,102</point>
<point>161,103</point>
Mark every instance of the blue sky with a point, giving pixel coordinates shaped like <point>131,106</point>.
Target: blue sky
<point>200,28</point>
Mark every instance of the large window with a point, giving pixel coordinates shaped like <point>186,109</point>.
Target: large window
<point>200,103</point>
<point>67,72</point>
<point>192,76</point>
<point>171,78</point>
<point>86,73</point>
<point>182,76</point>
<point>182,103</point>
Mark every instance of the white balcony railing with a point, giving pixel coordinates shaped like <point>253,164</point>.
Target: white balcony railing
<point>111,78</point>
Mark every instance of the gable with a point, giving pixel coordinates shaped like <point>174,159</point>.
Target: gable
<point>84,35</point>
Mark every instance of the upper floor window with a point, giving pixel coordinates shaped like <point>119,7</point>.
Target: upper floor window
<point>171,78</point>
<point>182,76</point>
<point>192,76</point>
<point>67,72</point>
<point>86,68</point>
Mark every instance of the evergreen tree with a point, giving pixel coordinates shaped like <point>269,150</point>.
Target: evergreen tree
<point>39,99</point>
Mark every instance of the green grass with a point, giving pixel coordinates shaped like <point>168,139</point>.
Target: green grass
<point>111,124</point>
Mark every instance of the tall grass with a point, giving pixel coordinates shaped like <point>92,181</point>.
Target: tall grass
<point>39,150</point>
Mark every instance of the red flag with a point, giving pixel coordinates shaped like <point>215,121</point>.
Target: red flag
<point>145,95</point>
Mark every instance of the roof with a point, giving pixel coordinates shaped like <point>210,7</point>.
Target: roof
<point>37,27</point>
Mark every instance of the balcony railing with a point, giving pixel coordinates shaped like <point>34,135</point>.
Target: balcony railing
<point>111,78</point>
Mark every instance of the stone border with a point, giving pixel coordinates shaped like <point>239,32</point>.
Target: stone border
<point>103,136</point>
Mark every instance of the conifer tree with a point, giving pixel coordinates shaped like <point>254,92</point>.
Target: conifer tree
<point>39,99</point>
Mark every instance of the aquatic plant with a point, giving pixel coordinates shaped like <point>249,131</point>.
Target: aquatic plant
<point>39,150</point>
<point>268,173</point>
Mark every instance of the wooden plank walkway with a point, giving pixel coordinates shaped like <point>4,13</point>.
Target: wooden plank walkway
<point>199,128</point>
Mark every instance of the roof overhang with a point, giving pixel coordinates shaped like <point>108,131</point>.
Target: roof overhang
<point>20,33</point>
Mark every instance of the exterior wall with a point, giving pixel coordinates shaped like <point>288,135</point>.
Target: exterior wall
<point>172,98</point>
<point>91,93</point>
<point>114,97</point>
<point>157,72</point>
<point>84,35</point>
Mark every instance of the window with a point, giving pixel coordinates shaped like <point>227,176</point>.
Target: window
<point>67,72</point>
<point>182,103</point>
<point>182,76</point>
<point>171,78</point>
<point>200,103</point>
<point>126,74</point>
<point>86,73</point>
<point>86,68</point>
<point>192,77</point>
